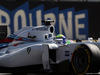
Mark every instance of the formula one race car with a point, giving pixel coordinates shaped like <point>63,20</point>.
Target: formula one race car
<point>38,48</point>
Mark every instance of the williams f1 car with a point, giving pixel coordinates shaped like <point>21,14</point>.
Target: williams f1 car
<point>39,48</point>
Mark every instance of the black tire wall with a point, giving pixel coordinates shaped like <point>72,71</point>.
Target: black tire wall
<point>85,58</point>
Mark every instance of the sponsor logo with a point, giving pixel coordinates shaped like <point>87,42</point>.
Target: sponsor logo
<point>73,24</point>
<point>41,29</point>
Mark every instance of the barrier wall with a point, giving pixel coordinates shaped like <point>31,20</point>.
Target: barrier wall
<point>73,19</point>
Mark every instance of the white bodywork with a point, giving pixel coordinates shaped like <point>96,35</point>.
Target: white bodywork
<point>33,51</point>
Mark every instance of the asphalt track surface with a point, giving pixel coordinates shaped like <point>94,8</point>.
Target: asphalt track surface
<point>45,74</point>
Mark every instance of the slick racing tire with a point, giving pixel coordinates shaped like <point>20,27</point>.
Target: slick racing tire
<point>85,58</point>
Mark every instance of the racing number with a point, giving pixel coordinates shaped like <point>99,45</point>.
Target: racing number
<point>28,50</point>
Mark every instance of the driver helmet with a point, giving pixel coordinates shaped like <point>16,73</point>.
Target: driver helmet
<point>61,36</point>
<point>65,40</point>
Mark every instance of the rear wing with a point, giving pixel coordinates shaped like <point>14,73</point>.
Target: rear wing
<point>3,32</point>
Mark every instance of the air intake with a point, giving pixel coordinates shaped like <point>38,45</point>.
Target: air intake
<point>47,22</point>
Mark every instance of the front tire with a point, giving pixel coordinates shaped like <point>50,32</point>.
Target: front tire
<point>85,58</point>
